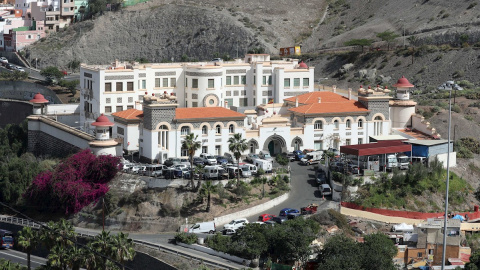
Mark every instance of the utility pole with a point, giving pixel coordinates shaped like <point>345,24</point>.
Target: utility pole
<point>103,214</point>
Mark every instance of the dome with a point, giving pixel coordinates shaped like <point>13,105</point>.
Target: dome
<point>302,65</point>
<point>403,82</point>
<point>102,121</point>
<point>39,98</point>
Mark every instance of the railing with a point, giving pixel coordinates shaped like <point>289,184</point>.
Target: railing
<point>20,221</point>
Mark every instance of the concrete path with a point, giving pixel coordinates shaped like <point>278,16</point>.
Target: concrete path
<point>378,217</point>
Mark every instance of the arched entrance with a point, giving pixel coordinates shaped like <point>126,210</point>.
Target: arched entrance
<point>297,143</point>
<point>275,144</point>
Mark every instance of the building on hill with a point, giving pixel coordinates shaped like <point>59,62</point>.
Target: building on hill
<point>253,81</point>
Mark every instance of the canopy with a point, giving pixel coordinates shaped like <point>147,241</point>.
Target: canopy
<point>402,227</point>
<point>459,217</point>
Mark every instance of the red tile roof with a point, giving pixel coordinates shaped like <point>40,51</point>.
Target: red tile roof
<point>329,103</point>
<point>312,97</point>
<point>129,114</point>
<point>205,112</point>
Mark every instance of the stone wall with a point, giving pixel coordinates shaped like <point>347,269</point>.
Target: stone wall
<point>43,144</point>
<point>20,90</point>
<point>13,112</point>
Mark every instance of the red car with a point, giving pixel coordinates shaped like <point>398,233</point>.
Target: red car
<point>265,217</point>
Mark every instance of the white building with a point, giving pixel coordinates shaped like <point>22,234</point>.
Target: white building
<point>255,80</point>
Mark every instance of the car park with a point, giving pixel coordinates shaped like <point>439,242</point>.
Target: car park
<point>236,224</point>
<point>265,217</point>
<point>250,157</point>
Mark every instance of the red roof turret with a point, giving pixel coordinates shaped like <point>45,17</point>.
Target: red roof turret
<point>403,82</point>
<point>302,65</point>
<point>102,121</point>
<point>38,99</point>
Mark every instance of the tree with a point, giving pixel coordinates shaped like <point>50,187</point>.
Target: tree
<point>70,85</point>
<point>122,248</point>
<point>102,244</point>
<point>207,189</point>
<point>387,36</point>
<point>192,145</point>
<point>74,64</point>
<point>340,252</point>
<point>378,252</point>
<point>359,42</point>
<point>28,240</point>
<point>474,263</point>
<point>51,74</point>
<point>252,240</point>
<point>237,145</point>
<point>58,257</point>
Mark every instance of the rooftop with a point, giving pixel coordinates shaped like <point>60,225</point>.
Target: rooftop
<point>129,114</point>
<point>206,112</point>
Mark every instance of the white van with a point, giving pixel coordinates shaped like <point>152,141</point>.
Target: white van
<point>390,162</point>
<point>312,158</point>
<point>403,161</point>
<point>265,165</point>
<point>155,170</point>
<point>203,227</point>
<point>208,159</point>
<point>213,172</point>
<point>249,167</point>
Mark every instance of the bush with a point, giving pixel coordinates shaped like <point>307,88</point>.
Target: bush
<point>187,238</point>
<point>456,108</point>
<point>471,143</point>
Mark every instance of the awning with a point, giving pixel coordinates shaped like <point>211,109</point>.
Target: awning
<point>379,148</point>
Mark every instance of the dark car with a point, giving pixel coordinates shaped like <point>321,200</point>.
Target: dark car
<point>198,161</point>
<point>321,178</point>
<point>173,173</point>
<point>298,155</point>
<point>171,161</point>
<point>289,212</point>
<point>221,160</point>
<point>278,220</point>
<point>10,66</point>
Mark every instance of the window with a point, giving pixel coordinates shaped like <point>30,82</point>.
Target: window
<point>360,123</point>
<point>204,130</point>
<point>157,82</point>
<point>244,79</point>
<point>231,129</point>
<point>211,83</point>
<point>264,80</point>
<point>218,150</point>
<point>336,124</point>
<point>65,9</point>
<point>163,137</point>
<point>194,104</point>
<point>119,87</point>
<point>108,87</point>
<point>119,108</point>
<point>348,124</point>
<point>360,141</point>
<point>218,129</point>
<point>204,149</point>
<point>229,101</point>
<point>129,107</point>
<point>120,130</point>
<point>108,100</point>
<point>318,125</point>
<point>144,84</point>
<point>348,141</point>
<point>286,82</point>
<point>165,82</point>
<point>235,80</point>
<point>108,109</point>
<point>318,145</point>
<point>129,86</point>
<point>185,131</point>
<point>186,82</point>
<point>229,80</point>
<point>130,99</point>
<point>244,102</point>
<point>119,100</point>
<point>184,152</point>
<point>296,82</point>
<point>173,82</point>
<point>194,83</point>
<point>306,82</point>
<point>378,126</point>
<point>252,147</point>
<point>419,254</point>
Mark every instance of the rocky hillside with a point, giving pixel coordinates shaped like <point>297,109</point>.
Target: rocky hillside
<point>162,30</point>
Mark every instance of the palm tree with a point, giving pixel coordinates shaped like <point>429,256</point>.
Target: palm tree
<point>103,245</point>
<point>75,257</point>
<point>58,257</point>
<point>192,145</point>
<point>28,239</point>
<point>123,248</point>
<point>89,257</point>
<point>237,145</point>
<point>207,189</point>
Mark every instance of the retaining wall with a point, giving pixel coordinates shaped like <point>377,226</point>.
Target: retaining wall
<point>216,253</point>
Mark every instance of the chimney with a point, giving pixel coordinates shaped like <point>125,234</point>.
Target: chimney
<point>349,93</point>
<point>334,88</point>
<point>296,102</point>
<point>319,100</point>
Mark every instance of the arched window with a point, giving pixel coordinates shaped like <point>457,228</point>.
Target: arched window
<point>336,124</point>
<point>378,126</point>
<point>231,129</point>
<point>360,123</point>
<point>204,130</point>
<point>163,137</point>
<point>218,129</point>
<point>253,146</point>
<point>348,124</point>
<point>185,131</point>
<point>318,125</point>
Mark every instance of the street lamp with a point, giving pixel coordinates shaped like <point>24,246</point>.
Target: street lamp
<point>444,251</point>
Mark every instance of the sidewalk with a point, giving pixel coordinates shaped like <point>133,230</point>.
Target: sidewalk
<point>378,217</point>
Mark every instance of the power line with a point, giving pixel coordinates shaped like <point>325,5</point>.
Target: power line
<point>65,237</point>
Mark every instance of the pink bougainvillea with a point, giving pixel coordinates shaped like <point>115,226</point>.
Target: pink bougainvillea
<point>75,183</point>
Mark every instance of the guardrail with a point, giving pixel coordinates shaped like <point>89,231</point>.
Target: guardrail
<point>26,222</point>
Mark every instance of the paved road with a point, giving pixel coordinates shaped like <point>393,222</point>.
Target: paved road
<point>21,258</point>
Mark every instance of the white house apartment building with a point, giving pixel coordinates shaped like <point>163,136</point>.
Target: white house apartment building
<point>255,80</point>
<point>316,120</point>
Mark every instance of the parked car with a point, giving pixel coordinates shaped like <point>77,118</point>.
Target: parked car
<point>337,166</point>
<point>185,161</point>
<point>353,168</point>
<point>265,217</point>
<point>198,161</point>
<point>321,178</point>
<point>171,161</point>
<point>285,212</point>
<point>290,156</point>
<point>203,227</point>
<point>278,219</point>
<point>245,171</point>
<point>266,156</point>
<point>221,160</point>
<point>134,169</point>
<point>10,66</point>
<point>233,172</point>
<point>142,170</point>
<point>208,159</point>
<point>270,222</point>
<point>127,166</point>
<point>3,60</point>
<point>250,157</point>
<point>298,155</point>
<point>235,224</point>
<point>19,69</point>
<point>325,189</point>
<point>172,173</point>
<point>181,166</point>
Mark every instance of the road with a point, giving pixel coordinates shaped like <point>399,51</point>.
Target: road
<point>21,258</point>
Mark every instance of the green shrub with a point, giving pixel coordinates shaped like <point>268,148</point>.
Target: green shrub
<point>187,238</point>
<point>456,108</point>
